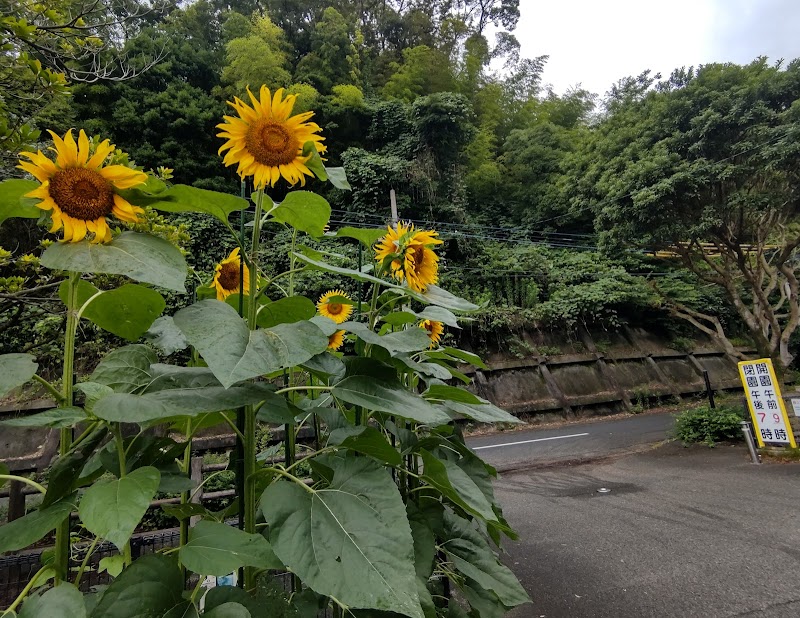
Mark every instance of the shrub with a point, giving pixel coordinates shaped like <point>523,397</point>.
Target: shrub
<point>709,425</point>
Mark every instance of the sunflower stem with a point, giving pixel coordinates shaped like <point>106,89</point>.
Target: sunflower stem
<point>61,560</point>
<point>249,442</point>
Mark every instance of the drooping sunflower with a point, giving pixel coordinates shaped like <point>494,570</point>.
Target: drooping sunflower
<point>336,340</point>
<point>266,141</point>
<point>330,306</point>
<point>78,190</point>
<point>226,276</point>
<point>435,330</point>
<point>409,255</point>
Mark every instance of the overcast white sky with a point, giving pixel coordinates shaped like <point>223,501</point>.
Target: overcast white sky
<point>596,42</point>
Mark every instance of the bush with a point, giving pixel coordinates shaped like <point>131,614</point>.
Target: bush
<point>709,425</point>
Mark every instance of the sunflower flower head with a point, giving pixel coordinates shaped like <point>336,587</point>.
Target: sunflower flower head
<point>226,276</point>
<point>79,190</point>
<point>409,255</point>
<point>434,330</point>
<point>266,141</point>
<point>336,340</point>
<point>335,305</point>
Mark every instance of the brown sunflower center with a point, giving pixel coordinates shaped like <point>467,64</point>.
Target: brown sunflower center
<point>82,193</point>
<point>229,276</point>
<point>334,308</point>
<point>417,257</point>
<point>271,143</point>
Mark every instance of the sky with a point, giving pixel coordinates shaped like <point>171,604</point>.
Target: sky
<point>595,43</point>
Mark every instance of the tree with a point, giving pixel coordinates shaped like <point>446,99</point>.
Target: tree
<point>258,58</point>
<point>46,46</point>
<point>333,58</point>
<point>707,166</point>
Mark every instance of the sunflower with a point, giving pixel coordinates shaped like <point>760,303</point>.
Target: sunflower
<point>78,190</point>
<point>336,340</point>
<point>435,330</point>
<point>266,141</point>
<point>226,276</point>
<point>331,306</point>
<point>410,255</point>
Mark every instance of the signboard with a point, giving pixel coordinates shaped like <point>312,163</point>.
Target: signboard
<point>765,402</point>
<point>796,406</point>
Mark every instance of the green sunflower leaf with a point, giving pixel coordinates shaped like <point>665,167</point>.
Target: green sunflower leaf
<point>15,370</point>
<point>234,353</point>
<point>113,509</point>
<point>357,544</point>
<point>55,418</point>
<point>285,311</point>
<point>12,200</point>
<point>338,178</point>
<point>125,369</point>
<point>409,340</point>
<point>366,236</point>
<point>127,311</point>
<point>164,335</point>
<point>304,211</point>
<point>63,601</point>
<point>25,531</point>
<point>218,549</point>
<point>183,198</point>
<point>141,257</point>
<point>388,397</point>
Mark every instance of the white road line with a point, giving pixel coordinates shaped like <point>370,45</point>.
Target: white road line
<point>574,435</point>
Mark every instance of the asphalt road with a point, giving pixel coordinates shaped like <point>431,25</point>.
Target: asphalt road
<point>684,532</point>
<point>572,442</point>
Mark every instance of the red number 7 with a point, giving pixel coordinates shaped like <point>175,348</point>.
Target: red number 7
<point>763,415</point>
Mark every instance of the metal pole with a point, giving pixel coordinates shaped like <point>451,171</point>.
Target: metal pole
<point>709,392</point>
<point>751,445</point>
<point>393,203</point>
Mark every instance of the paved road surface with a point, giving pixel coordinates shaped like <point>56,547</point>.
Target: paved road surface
<point>684,532</point>
<point>590,440</point>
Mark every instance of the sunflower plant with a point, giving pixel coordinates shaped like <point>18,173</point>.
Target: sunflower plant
<point>386,514</point>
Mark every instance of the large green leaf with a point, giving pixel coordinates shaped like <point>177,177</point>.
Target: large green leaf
<point>346,272</point>
<point>65,473</point>
<point>26,530</point>
<point>356,542</point>
<point>366,440</point>
<point>183,198</point>
<point>424,535</point>
<point>141,257</point>
<point>63,601</point>
<point>112,509</point>
<point>218,549</point>
<point>285,311</point>
<point>438,296</point>
<point>149,587</point>
<point>234,353</point>
<point>125,369</point>
<point>304,211</point>
<point>365,235</point>
<point>483,412</point>
<point>388,397</point>
<point>456,485</point>
<point>443,392</point>
<point>338,178</point>
<point>12,200</point>
<point>409,340</point>
<point>277,410</point>
<point>459,355</point>
<point>167,337</point>
<point>55,418</point>
<point>219,596</point>
<point>162,404</point>
<point>471,554</point>
<point>15,370</point>
<point>228,610</point>
<point>126,311</point>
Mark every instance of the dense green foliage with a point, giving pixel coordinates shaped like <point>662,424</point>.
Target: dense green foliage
<point>709,425</point>
<point>409,100</point>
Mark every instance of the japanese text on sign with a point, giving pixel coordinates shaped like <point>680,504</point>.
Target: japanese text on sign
<point>765,402</point>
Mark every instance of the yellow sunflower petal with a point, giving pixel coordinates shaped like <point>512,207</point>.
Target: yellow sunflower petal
<point>123,177</point>
<point>83,148</point>
<point>104,149</point>
<point>78,230</point>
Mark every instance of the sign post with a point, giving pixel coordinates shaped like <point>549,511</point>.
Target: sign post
<point>765,403</point>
